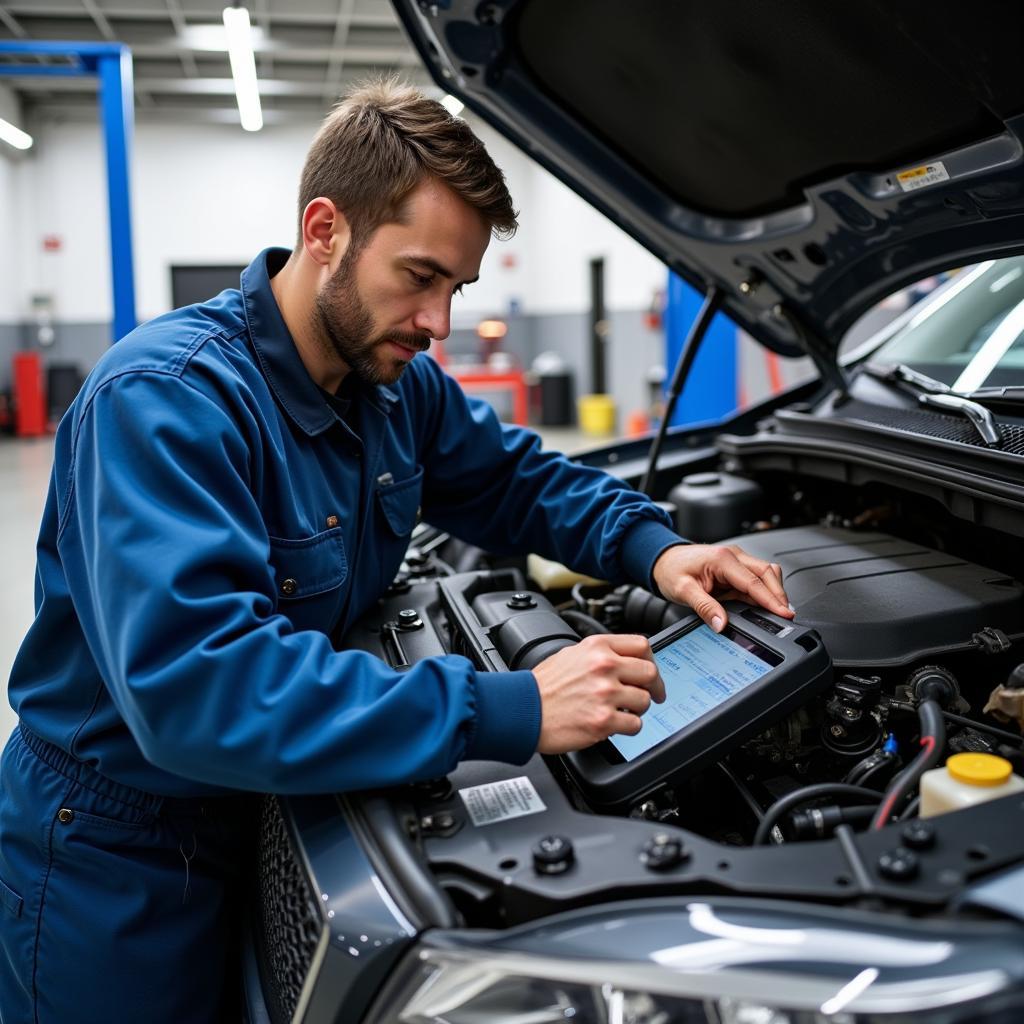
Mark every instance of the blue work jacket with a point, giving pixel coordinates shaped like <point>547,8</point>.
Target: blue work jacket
<point>212,520</point>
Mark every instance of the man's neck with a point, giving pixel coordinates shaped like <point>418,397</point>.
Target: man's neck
<point>295,288</point>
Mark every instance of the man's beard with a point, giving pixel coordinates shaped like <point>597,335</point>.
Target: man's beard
<point>346,326</point>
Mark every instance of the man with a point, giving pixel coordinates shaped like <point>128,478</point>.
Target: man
<point>237,483</point>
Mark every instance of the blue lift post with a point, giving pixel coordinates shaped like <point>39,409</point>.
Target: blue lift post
<point>710,390</point>
<point>112,63</point>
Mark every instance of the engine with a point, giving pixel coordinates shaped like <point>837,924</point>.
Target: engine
<point>905,625</point>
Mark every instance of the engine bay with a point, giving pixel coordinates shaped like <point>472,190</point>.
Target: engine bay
<point>917,639</point>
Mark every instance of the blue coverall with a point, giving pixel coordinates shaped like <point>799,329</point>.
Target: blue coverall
<point>211,522</point>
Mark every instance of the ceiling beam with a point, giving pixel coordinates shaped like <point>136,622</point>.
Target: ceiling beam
<point>178,86</point>
<point>175,13</point>
<point>100,19</point>
<point>265,58</point>
<point>336,61</point>
<point>12,25</point>
<point>127,12</point>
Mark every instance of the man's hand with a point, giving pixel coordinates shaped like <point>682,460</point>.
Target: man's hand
<point>689,573</point>
<point>598,687</point>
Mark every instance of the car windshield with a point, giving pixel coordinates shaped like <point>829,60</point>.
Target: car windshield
<point>971,334</point>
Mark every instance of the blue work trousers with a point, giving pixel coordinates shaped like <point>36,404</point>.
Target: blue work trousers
<point>115,905</point>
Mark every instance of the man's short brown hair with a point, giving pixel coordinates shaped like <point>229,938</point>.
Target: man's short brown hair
<point>380,142</point>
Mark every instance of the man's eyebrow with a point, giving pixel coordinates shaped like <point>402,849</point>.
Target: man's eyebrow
<point>431,264</point>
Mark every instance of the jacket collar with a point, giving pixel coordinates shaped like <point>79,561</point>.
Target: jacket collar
<point>279,358</point>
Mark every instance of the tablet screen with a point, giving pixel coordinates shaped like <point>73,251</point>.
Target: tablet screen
<point>701,670</point>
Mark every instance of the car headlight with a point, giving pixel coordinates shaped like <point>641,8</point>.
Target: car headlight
<point>732,974</point>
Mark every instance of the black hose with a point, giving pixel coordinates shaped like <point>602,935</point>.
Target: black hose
<point>933,744</point>
<point>584,624</point>
<point>910,811</point>
<point>802,796</point>
<point>885,767</point>
<point>1003,734</point>
<point>819,822</point>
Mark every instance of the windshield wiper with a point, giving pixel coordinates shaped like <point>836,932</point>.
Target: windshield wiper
<point>979,416</point>
<point>934,393</point>
<point>1011,392</point>
<point>900,373</point>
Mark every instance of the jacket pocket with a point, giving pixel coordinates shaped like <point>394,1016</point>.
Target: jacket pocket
<point>10,899</point>
<point>306,568</point>
<point>400,502</point>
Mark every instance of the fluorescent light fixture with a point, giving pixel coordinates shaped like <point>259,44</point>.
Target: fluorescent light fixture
<point>452,105</point>
<point>14,136</point>
<point>213,38</point>
<point>243,67</point>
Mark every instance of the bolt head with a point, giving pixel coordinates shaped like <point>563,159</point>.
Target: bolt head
<point>898,865</point>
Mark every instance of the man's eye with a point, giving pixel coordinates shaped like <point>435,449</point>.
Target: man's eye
<point>419,279</point>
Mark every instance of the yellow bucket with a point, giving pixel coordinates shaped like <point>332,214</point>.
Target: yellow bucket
<point>596,414</point>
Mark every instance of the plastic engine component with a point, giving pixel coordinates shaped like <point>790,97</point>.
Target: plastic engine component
<point>879,600</point>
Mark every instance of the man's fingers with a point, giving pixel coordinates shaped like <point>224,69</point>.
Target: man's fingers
<point>642,673</point>
<point>626,724</point>
<point>634,699</point>
<point>629,645</point>
<point>770,574</point>
<point>703,604</point>
<point>739,576</point>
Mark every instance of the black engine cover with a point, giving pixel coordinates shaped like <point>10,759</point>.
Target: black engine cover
<point>884,601</point>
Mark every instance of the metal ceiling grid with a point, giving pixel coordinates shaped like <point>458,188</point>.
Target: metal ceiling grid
<point>307,52</point>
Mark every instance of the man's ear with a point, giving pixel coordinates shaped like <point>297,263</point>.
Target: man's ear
<point>325,232</point>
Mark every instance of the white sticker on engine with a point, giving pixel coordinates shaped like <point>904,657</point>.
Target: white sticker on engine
<point>921,177</point>
<point>499,801</point>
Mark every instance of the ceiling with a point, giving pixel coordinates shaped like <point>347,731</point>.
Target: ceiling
<point>307,53</point>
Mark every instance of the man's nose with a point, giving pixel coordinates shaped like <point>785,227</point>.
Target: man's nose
<point>434,318</point>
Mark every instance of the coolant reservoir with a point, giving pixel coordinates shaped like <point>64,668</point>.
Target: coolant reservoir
<point>967,779</point>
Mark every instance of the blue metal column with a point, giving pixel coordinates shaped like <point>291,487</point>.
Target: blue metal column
<point>710,390</point>
<point>112,62</point>
<point>117,104</point>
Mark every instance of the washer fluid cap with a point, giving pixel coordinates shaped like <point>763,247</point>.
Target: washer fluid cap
<point>979,769</point>
<point>702,479</point>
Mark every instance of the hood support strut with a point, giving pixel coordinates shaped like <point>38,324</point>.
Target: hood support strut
<point>824,359</point>
<point>712,302</point>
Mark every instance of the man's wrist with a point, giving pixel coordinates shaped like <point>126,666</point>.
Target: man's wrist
<point>508,717</point>
<point>642,546</point>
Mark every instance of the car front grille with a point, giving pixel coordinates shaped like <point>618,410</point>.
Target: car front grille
<point>922,422</point>
<point>288,919</point>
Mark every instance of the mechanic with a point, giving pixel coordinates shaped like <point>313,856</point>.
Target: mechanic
<point>237,483</point>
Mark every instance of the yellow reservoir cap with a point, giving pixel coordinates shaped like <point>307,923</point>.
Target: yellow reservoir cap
<point>979,769</point>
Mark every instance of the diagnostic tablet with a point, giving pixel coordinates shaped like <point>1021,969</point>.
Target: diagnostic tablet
<point>721,690</point>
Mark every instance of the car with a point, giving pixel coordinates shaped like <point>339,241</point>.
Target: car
<point>777,853</point>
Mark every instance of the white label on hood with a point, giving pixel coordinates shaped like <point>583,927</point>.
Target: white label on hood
<point>499,801</point>
<point>923,176</point>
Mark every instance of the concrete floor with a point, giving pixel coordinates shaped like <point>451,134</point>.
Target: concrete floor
<point>24,477</point>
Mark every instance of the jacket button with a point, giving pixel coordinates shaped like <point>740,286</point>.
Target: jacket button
<point>289,586</point>
<point>332,522</point>
<point>65,816</point>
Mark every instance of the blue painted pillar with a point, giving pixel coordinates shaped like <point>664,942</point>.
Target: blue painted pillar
<point>710,390</point>
<point>117,106</point>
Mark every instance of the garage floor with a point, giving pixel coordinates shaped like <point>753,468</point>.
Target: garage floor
<point>24,477</point>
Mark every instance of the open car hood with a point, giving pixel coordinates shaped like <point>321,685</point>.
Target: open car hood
<point>805,158</point>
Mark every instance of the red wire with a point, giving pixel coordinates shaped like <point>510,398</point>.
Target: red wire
<point>883,818</point>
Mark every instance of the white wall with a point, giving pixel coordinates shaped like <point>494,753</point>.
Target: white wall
<point>199,195</point>
<point>208,194</point>
<point>11,230</point>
